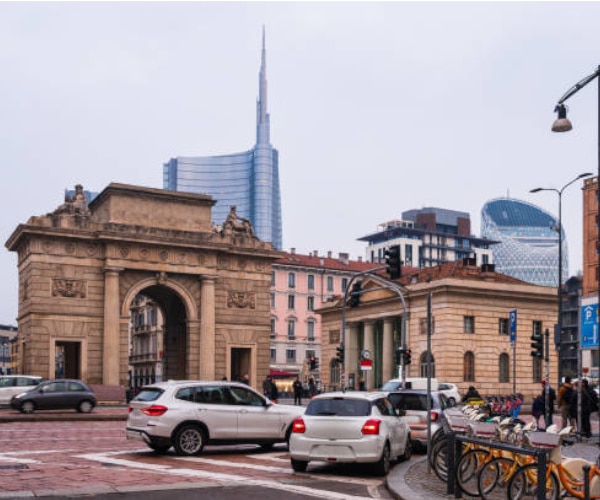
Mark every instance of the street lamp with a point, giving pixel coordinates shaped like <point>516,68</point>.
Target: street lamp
<point>562,124</point>
<point>559,231</point>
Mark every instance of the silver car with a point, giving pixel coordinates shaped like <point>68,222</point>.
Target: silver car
<point>11,385</point>
<point>191,414</point>
<point>352,427</point>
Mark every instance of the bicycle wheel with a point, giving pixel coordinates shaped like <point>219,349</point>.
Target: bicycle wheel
<point>493,478</point>
<point>439,460</point>
<point>467,471</point>
<point>524,484</point>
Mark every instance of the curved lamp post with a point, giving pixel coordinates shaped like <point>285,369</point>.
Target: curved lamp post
<point>562,124</point>
<point>560,280</point>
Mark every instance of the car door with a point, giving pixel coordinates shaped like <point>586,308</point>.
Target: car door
<point>256,419</point>
<point>213,407</point>
<point>51,396</point>
<point>397,427</point>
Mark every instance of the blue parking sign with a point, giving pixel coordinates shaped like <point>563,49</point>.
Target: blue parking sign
<point>513,325</point>
<point>589,325</point>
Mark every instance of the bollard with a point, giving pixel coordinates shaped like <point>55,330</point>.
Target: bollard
<point>586,482</point>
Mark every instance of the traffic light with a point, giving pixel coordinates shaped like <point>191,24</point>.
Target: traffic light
<point>392,261</point>
<point>399,356</point>
<point>537,345</point>
<point>355,294</point>
<point>340,353</point>
<point>407,356</point>
<point>312,362</point>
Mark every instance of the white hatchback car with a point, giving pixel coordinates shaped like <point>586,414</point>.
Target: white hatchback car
<point>450,391</point>
<point>11,385</point>
<point>191,414</point>
<point>352,427</point>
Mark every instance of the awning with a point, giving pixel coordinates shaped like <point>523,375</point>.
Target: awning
<point>279,373</point>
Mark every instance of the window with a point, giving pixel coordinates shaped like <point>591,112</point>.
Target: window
<point>423,365</point>
<point>310,352</point>
<point>273,278</point>
<point>273,355</point>
<point>310,303</point>
<point>537,328</point>
<point>469,324</point>
<point>503,368</point>
<point>311,282</point>
<point>310,331</point>
<point>272,301</point>
<point>291,329</point>
<point>469,367</point>
<point>330,283</point>
<point>423,326</point>
<point>273,322</point>
<point>290,355</point>
<point>292,280</point>
<point>503,326</point>
<point>537,370</point>
<point>291,302</point>
<point>344,284</point>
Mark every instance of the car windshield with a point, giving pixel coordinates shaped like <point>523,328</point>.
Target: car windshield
<point>412,402</point>
<point>340,407</point>
<point>148,394</point>
<point>391,386</point>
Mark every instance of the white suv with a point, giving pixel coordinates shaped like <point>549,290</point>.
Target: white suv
<point>191,414</point>
<point>11,385</point>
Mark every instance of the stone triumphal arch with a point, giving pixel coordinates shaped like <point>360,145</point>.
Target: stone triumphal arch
<point>81,267</point>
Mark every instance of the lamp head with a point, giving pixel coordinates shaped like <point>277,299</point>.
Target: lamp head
<point>562,123</point>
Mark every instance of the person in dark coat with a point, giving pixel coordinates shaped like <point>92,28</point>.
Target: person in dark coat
<point>274,392</point>
<point>472,393</point>
<point>537,408</point>
<point>297,385</point>
<point>589,404</point>
<point>548,419</point>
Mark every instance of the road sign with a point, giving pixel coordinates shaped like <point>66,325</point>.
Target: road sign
<point>366,364</point>
<point>589,324</point>
<point>513,325</point>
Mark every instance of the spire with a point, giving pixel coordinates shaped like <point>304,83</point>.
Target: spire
<point>262,117</point>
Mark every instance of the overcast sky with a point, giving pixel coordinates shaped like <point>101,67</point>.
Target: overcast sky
<point>376,108</point>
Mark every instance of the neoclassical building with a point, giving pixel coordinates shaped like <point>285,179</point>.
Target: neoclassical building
<point>470,329</point>
<point>81,268</point>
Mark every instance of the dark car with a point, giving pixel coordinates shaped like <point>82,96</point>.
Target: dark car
<point>58,394</point>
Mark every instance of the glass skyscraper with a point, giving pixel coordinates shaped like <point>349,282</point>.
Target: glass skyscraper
<point>529,241</point>
<point>249,180</point>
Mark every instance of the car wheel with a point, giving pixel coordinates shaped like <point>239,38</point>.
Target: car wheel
<point>28,407</point>
<point>85,407</point>
<point>299,465</point>
<point>266,446</point>
<point>160,448</point>
<point>189,440</point>
<point>407,450</point>
<point>382,467</point>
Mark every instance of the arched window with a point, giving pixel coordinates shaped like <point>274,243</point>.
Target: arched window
<point>503,368</point>
<point>423,365</point>
<point>469,367</point>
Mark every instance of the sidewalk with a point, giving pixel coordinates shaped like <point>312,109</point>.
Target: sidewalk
<point>117,412</point>
<point>411,481</point>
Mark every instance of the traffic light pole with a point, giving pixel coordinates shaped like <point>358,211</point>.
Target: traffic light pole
<point>385,285</point>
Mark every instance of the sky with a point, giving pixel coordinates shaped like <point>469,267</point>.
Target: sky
<point>376,107</point>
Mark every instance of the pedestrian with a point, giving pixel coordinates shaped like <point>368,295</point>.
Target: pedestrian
<point>471,393</point>
<point>246,379</point>
<point>572,414</point>
<point>589,404</point>
<point>537,409</point>
<point>361,384</point>
<point>297,386</point>
<point>274,392</point>
<point>266,386</point>
<point>548,418</point>
<point>565,394</point>
<point>312,387</point>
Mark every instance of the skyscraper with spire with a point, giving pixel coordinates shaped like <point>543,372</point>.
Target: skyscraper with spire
<point>249,180</point>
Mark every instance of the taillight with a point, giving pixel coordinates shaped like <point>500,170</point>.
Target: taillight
<point>371,426</point>
<point>434,416</point>
<point>298,426</point>
<point>154,410</point>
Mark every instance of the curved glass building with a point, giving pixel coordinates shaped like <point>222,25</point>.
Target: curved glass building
<point>529,241</point>
<point>249,180</point>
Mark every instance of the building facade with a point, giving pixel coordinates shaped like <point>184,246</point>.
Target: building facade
<point>249,180</point>
<point>300,285</point>
<point>528,248</point>
<point>470,332</point>
<point>428,237</point>
<point>8,335</point>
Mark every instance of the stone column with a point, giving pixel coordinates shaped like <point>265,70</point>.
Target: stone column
<point>207,328</point>
<point>368,346</point>
<point>111,344</point>
<point>351,355</point>
<point>387,365</point>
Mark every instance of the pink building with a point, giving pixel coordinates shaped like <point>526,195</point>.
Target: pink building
<point>300,284</point>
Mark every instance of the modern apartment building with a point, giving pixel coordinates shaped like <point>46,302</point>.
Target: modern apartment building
<point>301,284</point>
<point>428,237</point>
<point>529,241</point>
<point>249,180</point>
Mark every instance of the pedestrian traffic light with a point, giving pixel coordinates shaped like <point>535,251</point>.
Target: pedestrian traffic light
<point>399,356</point>
<point>392,262</point>
<point>312,362</point>
<point>537,345</point>
<point>340,353</point>
<point>355,294</point>
<point>407,356</point>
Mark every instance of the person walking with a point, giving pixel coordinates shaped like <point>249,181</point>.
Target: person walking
<point>572,415</point>
<point>312,387</point>
<point>565,394</point>
<point>274,392</point>
<point>537,409</point>
<point>589,404</point>
<point>297,385</point>
<point>267,386</point>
